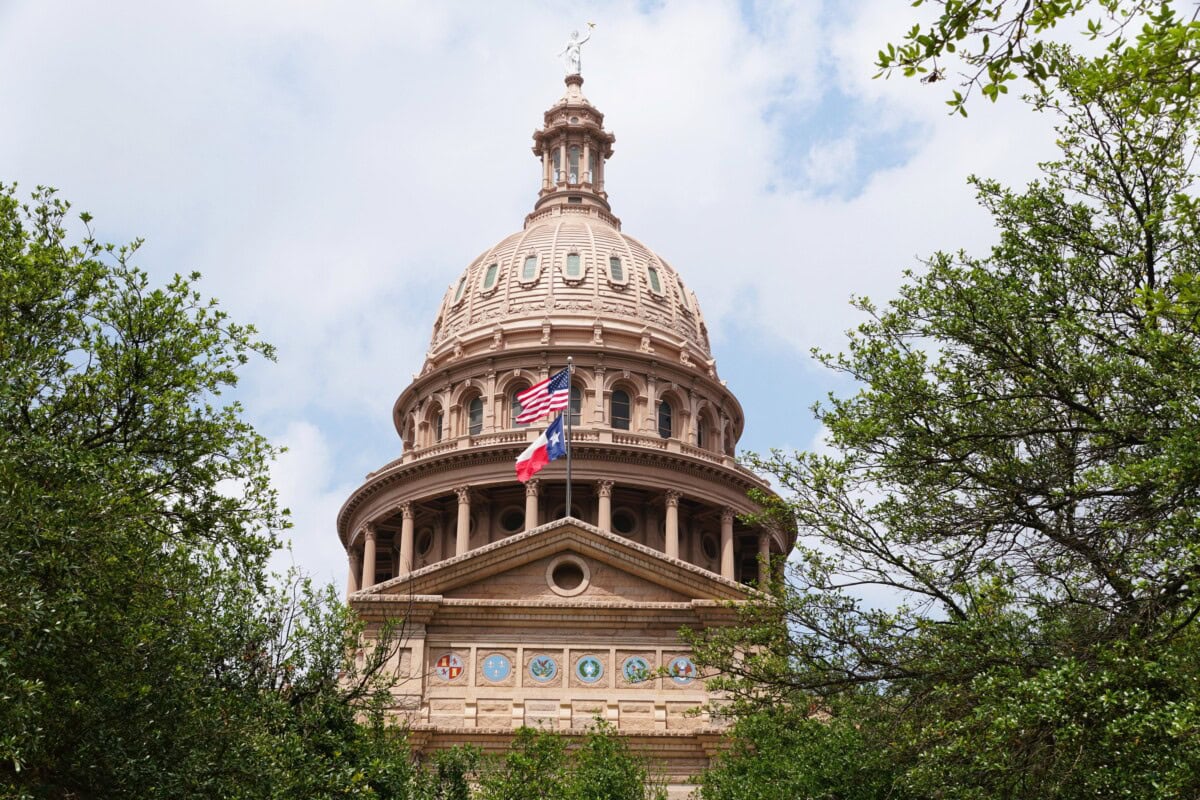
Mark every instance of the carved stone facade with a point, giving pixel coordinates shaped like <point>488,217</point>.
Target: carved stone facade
<point>518,610</point>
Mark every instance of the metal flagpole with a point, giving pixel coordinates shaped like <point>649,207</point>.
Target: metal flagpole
<point>570,372</point>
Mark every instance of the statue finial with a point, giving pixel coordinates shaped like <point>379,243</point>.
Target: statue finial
<point>571,51</point>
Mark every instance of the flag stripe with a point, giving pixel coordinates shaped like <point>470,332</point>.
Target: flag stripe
<point>545,397</point>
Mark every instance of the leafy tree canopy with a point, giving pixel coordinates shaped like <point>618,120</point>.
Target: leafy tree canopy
<point>998,42</point>
<point>142,652</point>
<point>1020,474</point>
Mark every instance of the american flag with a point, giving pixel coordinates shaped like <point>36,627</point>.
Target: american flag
<point>543,398</point>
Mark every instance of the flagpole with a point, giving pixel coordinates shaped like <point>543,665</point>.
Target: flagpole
<point>570,372</point>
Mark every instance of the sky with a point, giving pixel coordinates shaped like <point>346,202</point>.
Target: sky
<point>331,168</point>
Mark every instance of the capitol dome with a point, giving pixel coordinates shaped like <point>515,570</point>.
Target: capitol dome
<point>575,265</point>
<point>549,602</point>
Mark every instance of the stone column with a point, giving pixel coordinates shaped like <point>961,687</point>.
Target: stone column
<point>672,544</point>
<point>406,538</point>
<point>764,558</point>
<point>368,567</point>
<point>563,166</point>
<point>604,507</point>
<point>727,543</point>
<point>355,572</point>
<point>462,541</point>
<point>532,490</point>
<point>649,426</point>
<point>585,167</point>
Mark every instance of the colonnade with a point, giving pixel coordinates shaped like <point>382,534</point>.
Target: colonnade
<point>362,570</point>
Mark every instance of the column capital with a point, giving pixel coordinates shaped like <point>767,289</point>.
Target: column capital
<point>406,509</point>
<point>604,488</point>
<point>464,495</point>
<point>370,531</point>
<point>533,487</point>
<point>673,496</point>
<point>727,515</point>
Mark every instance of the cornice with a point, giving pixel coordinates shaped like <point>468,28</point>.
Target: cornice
<point>600,452</point>
<point>635,558</point>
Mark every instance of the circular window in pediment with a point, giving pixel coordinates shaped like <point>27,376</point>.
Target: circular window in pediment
<point>568,575</point>
<point>624,522</point>
<point>512,520</point>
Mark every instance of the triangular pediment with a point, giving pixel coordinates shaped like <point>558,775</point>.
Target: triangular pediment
<point>564,561</point>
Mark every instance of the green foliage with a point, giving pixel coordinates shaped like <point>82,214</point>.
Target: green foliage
<point>539,764</point>
<point>447,776</point>
<point>604,769</point>
<point>1001,41</point>
<point>1020,472</point>
<point>141,652</point>
<point>789,756</point>
<point>535,766</point>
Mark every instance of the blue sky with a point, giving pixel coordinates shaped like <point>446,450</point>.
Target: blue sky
<point>331,169</point>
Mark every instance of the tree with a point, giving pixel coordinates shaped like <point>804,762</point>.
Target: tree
<point>142,652</point>
<point>603,768</point>
<point>1020,473</point>
<point>794,756</point>
<point>535,766</point>
<point>999,41</point>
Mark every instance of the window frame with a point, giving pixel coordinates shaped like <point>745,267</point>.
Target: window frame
<point>577,260</point>
<point>527,275</point>
<point>665,403</point>
<point>654,280</point>
<point>470,409</point>
<point>491,277</point>
<point>514,405</point>
<point>612,410</point>
<point>575,410</point>
<point>623,279</point>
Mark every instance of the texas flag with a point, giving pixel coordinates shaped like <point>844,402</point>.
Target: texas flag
<point>547,447</point>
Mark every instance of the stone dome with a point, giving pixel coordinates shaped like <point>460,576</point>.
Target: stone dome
<point>571,265</point>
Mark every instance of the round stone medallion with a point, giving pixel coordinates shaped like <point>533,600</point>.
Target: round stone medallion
<point>543,668</point>
<point>636,669</point>
<point>496,667</point>
<point>589,669</point>
<point>448,667</point>
<point>682,670</point>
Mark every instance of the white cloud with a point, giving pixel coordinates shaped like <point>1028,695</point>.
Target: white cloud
<point>331,169</point>
<point>303,477</point>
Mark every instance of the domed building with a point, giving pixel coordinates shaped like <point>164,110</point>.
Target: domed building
<point>519,610</point>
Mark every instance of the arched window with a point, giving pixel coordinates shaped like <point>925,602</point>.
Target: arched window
<point>664,419</point>
<point>514,407</point>
<point>573,265</point>
<point>702,433</point>
<point>615,271</point>
<point>655,283</point>
<point>475,416</point>
<point>458,293</point>
<point>529,272</point>
<point>619,410</point>
<point>437,425</point>
<point>573,164</point>
<point>489,278</point>
<point>558,175</point>
<point>576,405</point>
